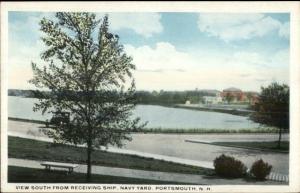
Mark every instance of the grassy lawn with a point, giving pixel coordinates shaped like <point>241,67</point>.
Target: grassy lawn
<point>37,150</point>
<point>29,175</point>
<point>207,131</point>
<point>270,145</point>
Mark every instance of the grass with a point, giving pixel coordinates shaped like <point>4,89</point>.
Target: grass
<point>180,130</point>
<point>44,151</point>
<point>207,131</point>
<point>30,175</point>
<point>270,145</point>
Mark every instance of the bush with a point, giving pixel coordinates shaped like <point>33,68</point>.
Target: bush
<point>227,166</point>
<point>260,169</point>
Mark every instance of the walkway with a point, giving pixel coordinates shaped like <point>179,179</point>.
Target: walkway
<point>142,174</point>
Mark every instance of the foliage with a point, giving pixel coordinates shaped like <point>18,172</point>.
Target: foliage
<point>262,145</point>
<point>142,97</point>
<point>86,73</point>
<point>272,107</point>
<point>228,97</point>
<point>21,93</point>
<point>170,97</point>
<point>260,169</point>
<point>227,166</point>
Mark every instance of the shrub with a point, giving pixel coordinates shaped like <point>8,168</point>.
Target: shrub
<point>260,169</point>
<point>227,166</point>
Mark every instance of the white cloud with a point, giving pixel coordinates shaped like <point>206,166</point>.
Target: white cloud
<point>249,59</point>
<point>281,58</point>
<point>145,24</point>
<point>163,56</point>
<point>232,27</point>
<point>157,68</point>
<point>24,47</point>
<point>19,63</point>
<point>263,69</point>
<point>164,66</point>
<point>284,30</point>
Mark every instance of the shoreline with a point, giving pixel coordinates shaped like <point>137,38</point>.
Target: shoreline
<point>180,130</point>
<point>237,112</point>
<point>243,113</point>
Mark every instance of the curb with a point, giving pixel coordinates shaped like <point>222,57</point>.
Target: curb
<point>236,146</point>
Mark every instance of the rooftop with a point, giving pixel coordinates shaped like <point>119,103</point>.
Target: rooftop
<point>232,89</point>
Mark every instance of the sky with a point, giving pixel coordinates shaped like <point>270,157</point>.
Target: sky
<point>176,51</point>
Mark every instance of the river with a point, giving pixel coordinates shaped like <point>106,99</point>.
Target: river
<point>156,116</point>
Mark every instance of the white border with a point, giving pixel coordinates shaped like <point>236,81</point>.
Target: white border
<point>241,7</point>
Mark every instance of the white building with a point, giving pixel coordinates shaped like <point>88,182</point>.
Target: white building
<point>212,99</point>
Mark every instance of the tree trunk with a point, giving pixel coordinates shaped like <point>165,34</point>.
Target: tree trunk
<point>88,162</point>
<point>279,139</point>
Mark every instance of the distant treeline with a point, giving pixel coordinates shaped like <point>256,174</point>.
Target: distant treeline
<point>142,97</point>
<point>172,97</point>
<point>22,93</point>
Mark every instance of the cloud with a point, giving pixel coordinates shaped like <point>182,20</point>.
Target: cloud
<point>163,57</point>
<point>284,30</point>
<point>281,58</point>
<point>161,66</point>
<point>234,27</point>
<point>261,80</point>
<point>145,24</point>
<point>24,47</point>
<point>264,69</point>
<point>249,58</point>
<point>163,70</point>
<point>19,63</point>
<point>244,75</point>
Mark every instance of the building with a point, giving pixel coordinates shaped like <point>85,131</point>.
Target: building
<point>252,97</point>
<point>212,97</point>
<point>236,95</point>
<point>187,102</point>
<point>233,95</point>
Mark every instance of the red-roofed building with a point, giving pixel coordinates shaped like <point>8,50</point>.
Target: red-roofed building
<point>233,95</point>
<point>237,95</point>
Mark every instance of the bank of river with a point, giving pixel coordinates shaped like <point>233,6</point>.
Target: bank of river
<point>228,110</point>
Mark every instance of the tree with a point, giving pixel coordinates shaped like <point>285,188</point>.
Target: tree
<point>249,96</point>
<point>272,107</point>
<point>229,97</point>
<point>85,72</point>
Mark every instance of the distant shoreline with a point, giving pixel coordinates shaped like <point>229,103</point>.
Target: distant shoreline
<point>179,131</point>
<point>218,110</point>
<point>26,120</point>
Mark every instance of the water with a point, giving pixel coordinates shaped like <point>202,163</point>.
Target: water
<point>157,116</point>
